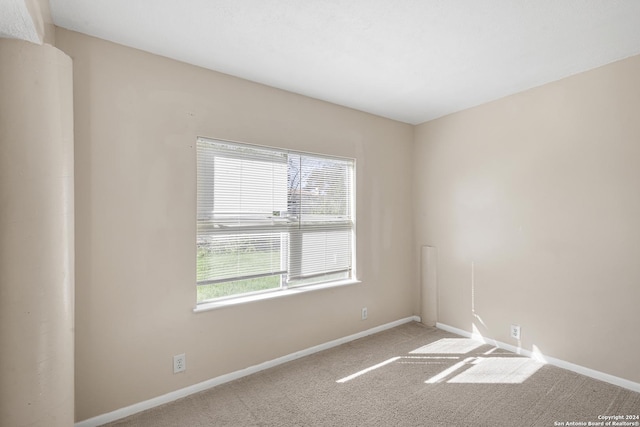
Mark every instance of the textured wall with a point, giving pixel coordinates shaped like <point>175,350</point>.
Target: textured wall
<point>533,203</point>
<point>137,117</point>
<point>36,236</point>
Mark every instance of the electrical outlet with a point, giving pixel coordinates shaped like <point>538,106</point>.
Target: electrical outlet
<point>364,313</point>
<point>179,363</point>
<point>515,331</point>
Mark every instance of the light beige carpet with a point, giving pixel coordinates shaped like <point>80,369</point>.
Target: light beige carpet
<point>411,375</point>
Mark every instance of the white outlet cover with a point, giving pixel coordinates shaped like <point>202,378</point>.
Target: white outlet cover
<point>515,331</point>
<point>179,363</point>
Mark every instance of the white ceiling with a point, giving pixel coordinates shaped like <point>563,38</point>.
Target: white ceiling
<point>409,60</point>
<point>16,21</point>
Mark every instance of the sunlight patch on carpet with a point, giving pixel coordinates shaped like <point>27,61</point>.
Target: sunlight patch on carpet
<point>369,369</point>
<point>449,346</point>
<point>498,370</point>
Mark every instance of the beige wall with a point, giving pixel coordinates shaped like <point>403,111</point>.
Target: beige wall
<point>533,203</point>
<point>137,117</point>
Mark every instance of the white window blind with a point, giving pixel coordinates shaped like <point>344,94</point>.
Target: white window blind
<point>270,219</point>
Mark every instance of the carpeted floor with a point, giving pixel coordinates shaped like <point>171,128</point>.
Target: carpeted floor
<point>411,375</point>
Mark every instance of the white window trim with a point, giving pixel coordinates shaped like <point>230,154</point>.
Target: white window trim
<point>276,293</point>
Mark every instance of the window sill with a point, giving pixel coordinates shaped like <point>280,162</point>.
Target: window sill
<point>214,305</point>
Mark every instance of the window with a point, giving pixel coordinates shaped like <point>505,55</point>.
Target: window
<point>271,219</point>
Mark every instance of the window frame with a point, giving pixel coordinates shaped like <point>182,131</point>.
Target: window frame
<point>336,225</point>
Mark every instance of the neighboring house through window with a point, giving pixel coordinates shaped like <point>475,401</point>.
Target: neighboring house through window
<point>271,219</point>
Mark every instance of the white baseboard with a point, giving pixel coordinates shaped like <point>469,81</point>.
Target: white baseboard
<point>621,382</point>
<point>178,394</point>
